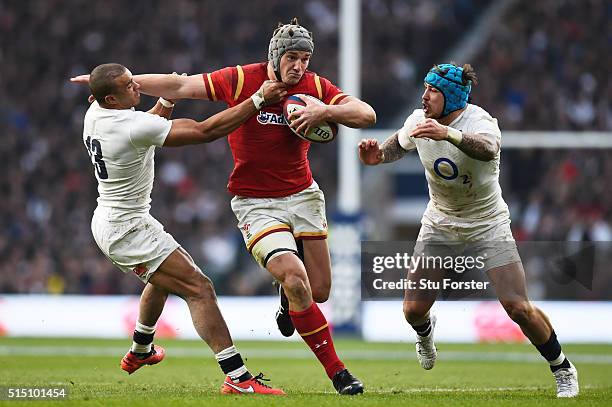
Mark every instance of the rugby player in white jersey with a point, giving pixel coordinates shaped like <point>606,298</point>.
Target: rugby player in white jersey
<point>459,146</point>
<point>121,143</point>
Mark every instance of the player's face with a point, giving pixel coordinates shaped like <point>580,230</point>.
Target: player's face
<point>127,93</point>
<point>293,64</point>
<point>433,102</point>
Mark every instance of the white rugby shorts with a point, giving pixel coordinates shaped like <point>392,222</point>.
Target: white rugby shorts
<point>138,245</point>
<point>270,226</point>
<point>489,237</point>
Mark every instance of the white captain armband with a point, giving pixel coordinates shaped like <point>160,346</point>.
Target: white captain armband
<point>454,136</point>
<point>166,103</point>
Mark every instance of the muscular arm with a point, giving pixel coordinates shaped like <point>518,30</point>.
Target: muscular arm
<point>351,112</point>
<point>479,147</point>
<point>391,149</point>
<point>187,131</point>
<point>172,86</point>
<point>370,153</point>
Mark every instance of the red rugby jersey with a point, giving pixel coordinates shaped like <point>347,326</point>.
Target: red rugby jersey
<point>270,161</point>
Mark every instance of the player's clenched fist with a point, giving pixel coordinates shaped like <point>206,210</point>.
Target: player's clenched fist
<point>369,152</point>
<point>273,92</point>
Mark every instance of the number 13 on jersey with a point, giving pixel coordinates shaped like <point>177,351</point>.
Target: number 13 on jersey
<point>95,152</point>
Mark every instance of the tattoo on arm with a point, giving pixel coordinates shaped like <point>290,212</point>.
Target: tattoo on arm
<point>478,148</point>
<point>392,149</point>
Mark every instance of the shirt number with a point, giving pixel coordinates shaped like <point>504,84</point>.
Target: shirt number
<point>94,149</point>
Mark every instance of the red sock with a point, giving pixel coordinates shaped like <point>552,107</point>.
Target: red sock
<point>312,326</point>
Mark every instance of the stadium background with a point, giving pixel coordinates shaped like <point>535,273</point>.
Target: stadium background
<point>543,66</point>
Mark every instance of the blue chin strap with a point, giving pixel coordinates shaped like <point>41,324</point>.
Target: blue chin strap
<point>451,85</point>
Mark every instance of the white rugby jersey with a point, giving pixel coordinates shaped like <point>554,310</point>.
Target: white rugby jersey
<point>459,186</point>
<point>121,144</point>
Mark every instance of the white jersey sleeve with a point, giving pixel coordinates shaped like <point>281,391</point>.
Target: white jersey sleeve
<point>149,129</point>
<point>410,124</point>
<point>486,126</point>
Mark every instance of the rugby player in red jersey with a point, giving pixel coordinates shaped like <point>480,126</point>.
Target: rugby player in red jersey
<point>279,207</point>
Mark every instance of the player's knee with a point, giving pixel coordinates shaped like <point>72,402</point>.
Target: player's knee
<point>413,311</point>
<point>290,272</point>
<point>320,291</point>
<point>200,286</point>
<point>519,312</point>
<point>295,281</point>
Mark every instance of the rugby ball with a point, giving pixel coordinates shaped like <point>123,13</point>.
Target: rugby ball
<point>322,133</point>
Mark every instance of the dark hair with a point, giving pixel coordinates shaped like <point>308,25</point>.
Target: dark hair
<point>102,80</point>
<point>469,75</point>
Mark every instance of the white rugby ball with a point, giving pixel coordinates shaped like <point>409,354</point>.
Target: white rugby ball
<point>321,133</point>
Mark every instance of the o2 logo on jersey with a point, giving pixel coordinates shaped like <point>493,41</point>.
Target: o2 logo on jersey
<point>271,118</point>
<point>94,149</point>
<point>446,169</point>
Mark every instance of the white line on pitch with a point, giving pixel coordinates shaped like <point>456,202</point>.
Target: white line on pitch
<point>92,351</point>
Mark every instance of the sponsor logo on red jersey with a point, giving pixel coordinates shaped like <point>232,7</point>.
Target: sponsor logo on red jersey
<point>271,118</point>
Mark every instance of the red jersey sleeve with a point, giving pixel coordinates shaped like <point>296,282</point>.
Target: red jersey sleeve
<point>225,84</point>
<point>330,93</point>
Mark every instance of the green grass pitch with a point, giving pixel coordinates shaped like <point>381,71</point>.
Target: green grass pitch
<point>465,375</point>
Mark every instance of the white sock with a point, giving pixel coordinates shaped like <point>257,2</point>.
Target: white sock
<point>557,361</point>
<point>144,329</point>
<point>226,354</point>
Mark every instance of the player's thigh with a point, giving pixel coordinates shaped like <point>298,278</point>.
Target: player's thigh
<point>318,267</point>
<point>265,227</point>
<point>308,217</point>
<point>309,224</point>
<point>492,242</point>
<point>307,214</point>
<point>509,282</point>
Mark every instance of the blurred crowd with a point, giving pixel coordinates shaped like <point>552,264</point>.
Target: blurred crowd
<point>545,67</point>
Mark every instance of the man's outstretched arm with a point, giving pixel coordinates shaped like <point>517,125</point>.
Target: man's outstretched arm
<point>172,86</point>
<point>187,131</point>
<point>370,153</point>
<point>169,86</point>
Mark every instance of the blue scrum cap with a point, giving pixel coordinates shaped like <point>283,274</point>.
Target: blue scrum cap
<point>447,78</point>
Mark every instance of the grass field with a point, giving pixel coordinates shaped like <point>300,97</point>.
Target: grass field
<point>465,375</point>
